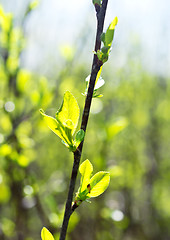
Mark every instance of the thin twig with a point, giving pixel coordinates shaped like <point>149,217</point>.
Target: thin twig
<point>77,154</point>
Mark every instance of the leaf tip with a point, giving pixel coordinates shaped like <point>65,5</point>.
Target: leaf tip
<point>46,235</point>
<point>116,20</point>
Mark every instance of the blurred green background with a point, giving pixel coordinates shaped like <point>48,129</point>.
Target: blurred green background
<point>127,135</point>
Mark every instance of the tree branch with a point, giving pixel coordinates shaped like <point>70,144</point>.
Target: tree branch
<point>100,14</point>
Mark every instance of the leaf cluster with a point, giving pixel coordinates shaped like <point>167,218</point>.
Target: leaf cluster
<point>91,186</point>
<point>107,39</point>
<point>65,122</point>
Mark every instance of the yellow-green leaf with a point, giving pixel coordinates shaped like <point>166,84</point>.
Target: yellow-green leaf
<point>46,235</point>
<point>98,183</point>
<point>58,128</point>
<point>110,33</point>
<point>98,75</point>
<point>86,170</point>
<point>69,110</point>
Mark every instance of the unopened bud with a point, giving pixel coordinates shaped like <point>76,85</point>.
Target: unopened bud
<point>98,2</point>
<point>104,49</point>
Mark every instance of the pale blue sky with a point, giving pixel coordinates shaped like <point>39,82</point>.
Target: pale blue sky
<point>143,26</point>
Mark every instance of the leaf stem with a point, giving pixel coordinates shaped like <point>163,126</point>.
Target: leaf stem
<point>100,14</point>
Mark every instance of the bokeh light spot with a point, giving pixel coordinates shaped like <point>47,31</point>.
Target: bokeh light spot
<point>28,190</point>
<point>117,215</point>
<point>1,138</point>
<point>9,106</point>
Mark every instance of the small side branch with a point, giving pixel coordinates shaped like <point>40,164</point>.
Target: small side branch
<point>100,13</point>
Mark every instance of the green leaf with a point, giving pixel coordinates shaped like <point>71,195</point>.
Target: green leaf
<point>79,137</point>
<point>91,187</point>
<point>110,33</point>
<point>102,37</point>
<point>86,169</point>
<point>103,57</point>
<point>82,196</point>
<point>98,183</point>
<point>66,120</point>
<point>105,50</point>
<point>98,77</point>
<point>69,110</point>
<point>64,132</point>
<point>46,235</point>
<point>97,95</point>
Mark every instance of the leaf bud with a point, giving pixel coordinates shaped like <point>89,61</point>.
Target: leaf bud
<point>104,50</point>
<point>98,2</point>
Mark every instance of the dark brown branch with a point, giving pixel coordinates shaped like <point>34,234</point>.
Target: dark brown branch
<point>95,67</point>
<point>68,207</point>
<point>77,154</point>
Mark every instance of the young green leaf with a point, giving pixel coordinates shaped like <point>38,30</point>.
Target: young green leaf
<point>97,95</point>
<point>98,76</point>
<point>46,235</point>
<point>98,183</point>
<point>51,123</point>
<point>90,187</point>
<point>66,121</point>
<point>102,37</point>
<point>64,132</point>
<point>110,33</point>
<point>105,50</point>
<point>69,110</point>
<point>79,137</point>
<point>86,169</point>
